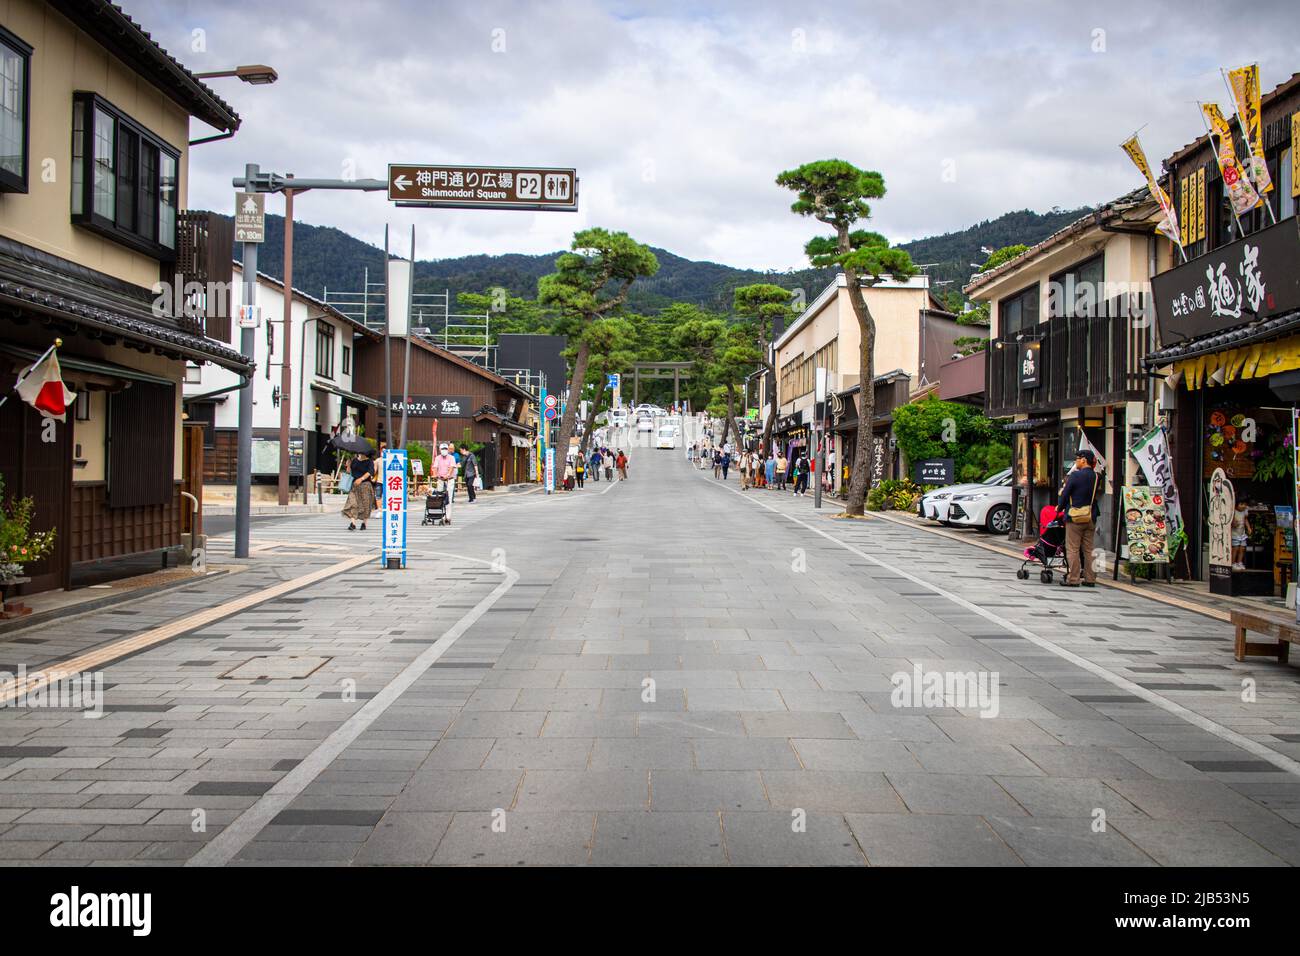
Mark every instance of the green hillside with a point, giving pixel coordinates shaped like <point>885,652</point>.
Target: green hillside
<point>325,257</point>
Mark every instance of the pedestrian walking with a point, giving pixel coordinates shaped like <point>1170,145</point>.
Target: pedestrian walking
<point>608,459</point>
<point>595,465</point>
<point>469,465</point>
<point>580,471</point>
<point>717,463</point>
<point>726,463</point>
<point>801,474</point>
<point>361,496</point>
<point>622,465</point>
<point>1079,502</point>
<point>443,472</point>
<point>769,471</point>
<point>568,474</point>
<point>782,468</point>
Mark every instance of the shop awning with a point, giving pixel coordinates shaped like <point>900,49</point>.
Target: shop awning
<point>344,393</point>
<point>1249,361</point>
<point>72,363</point>
<point>1030,424</point>
<point>1233,338</point>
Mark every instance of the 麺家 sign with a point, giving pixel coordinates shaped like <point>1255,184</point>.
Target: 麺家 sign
<point>1252,278</point>
<point>484,187</point>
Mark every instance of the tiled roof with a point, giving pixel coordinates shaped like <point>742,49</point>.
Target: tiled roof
<point>114,29</point>
<point>1234,337</point>
<point>82,299</point>
<point>1105,212</point>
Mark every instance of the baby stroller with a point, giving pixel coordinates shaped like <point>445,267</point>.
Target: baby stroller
<point>1049,551</point>
<point>435,508</point>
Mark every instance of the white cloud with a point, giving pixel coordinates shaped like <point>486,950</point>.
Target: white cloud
<point>678,117</point>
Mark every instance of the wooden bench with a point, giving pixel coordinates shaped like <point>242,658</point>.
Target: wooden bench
<point>1286,632</point>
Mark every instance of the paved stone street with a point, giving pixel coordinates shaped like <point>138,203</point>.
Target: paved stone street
<point>660,671</point>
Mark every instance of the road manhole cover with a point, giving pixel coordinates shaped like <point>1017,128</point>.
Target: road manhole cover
<point>276,668</point>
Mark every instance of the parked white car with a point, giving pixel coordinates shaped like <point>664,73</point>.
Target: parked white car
<point>935,504</point>
<point>987,507</point>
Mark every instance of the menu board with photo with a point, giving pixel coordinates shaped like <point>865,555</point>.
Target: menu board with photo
<point>1146,524</point>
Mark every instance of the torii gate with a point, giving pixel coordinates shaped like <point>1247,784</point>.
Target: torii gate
<point>674,370</point>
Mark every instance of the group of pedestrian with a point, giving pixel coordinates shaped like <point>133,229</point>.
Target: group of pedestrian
<point>364,470</point>
<point>775,471</point>
<point>578,469</point>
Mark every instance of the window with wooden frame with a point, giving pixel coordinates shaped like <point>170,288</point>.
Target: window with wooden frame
<point>124,178</point>
<point>1078,290</point>
<point>1018,312</point>
<point>15,118</point>
<point>324,350</point>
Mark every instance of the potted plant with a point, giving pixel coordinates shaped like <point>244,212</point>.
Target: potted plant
<point>19,545</point>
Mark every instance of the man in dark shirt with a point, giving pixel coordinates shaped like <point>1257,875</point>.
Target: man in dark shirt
<point>1081,489</point>
<point>471,470</point>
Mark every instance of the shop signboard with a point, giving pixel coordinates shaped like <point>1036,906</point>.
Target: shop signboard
<point>435,406</point>
<point>393,501</point>
<point>1253,278</point>
<point>935,471</point>
<point>1222,504</point>
<point>1146,524</point>
<point>1030,366</point>
<point>1152,454</point>
<point>1295,450</point>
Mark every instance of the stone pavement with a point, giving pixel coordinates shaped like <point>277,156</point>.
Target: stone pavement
<point>661,671</point>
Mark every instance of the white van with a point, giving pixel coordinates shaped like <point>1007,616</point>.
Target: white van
<point>618,418</point>
<point>667,436</point>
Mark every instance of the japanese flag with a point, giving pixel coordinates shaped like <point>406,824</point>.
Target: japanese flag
<point>41,387</point>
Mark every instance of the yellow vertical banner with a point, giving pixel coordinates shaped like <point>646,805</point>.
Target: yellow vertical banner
<point>1200,204</point>
<point>1169,222</point>
<point>1295,154</point>
<point>1186,216</point>
<point>1244,83</point>
<point>1241,193</point>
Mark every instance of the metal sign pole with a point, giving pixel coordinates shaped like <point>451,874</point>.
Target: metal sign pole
<point>247,345</point>
<point>406,366</point>
<point>388,347</point>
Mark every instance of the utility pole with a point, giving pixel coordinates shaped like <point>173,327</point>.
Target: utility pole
<point>388,347</point>
<point>286,362</point>
<point>247,345</point>
<point>819,411</point>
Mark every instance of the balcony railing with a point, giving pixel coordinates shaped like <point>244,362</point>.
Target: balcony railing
<point>203,256</point>
<point>1084,360</point>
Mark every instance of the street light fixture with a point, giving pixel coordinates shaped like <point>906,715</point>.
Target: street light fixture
<point>258,74</point>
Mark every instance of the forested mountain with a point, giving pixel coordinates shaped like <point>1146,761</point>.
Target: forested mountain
<point>954,253</point>
<point>325,257</point>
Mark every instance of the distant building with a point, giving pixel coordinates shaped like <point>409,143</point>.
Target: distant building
<point>323,343</point>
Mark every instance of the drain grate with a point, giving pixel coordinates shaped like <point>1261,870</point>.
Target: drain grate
<point>276,668</point>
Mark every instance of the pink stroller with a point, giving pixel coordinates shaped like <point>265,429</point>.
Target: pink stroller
<point>1049,551</point>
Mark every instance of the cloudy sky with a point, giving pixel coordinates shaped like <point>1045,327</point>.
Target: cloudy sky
<point>678,116</point>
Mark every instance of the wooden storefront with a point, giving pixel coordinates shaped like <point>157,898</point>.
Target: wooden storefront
<point>468,403</point>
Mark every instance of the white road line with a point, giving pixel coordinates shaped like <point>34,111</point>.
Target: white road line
<point>225,845</point>
<point>1204,723</point>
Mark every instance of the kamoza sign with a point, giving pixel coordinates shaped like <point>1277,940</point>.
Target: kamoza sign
<point>1252,278</point>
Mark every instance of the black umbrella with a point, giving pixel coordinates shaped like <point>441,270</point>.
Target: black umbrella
<point>357,444</point>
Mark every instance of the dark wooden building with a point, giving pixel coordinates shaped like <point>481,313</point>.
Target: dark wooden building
<point>93,259</point>
<point>468,402</point>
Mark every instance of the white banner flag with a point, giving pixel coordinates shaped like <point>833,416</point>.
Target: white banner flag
<point>1152,454</point>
